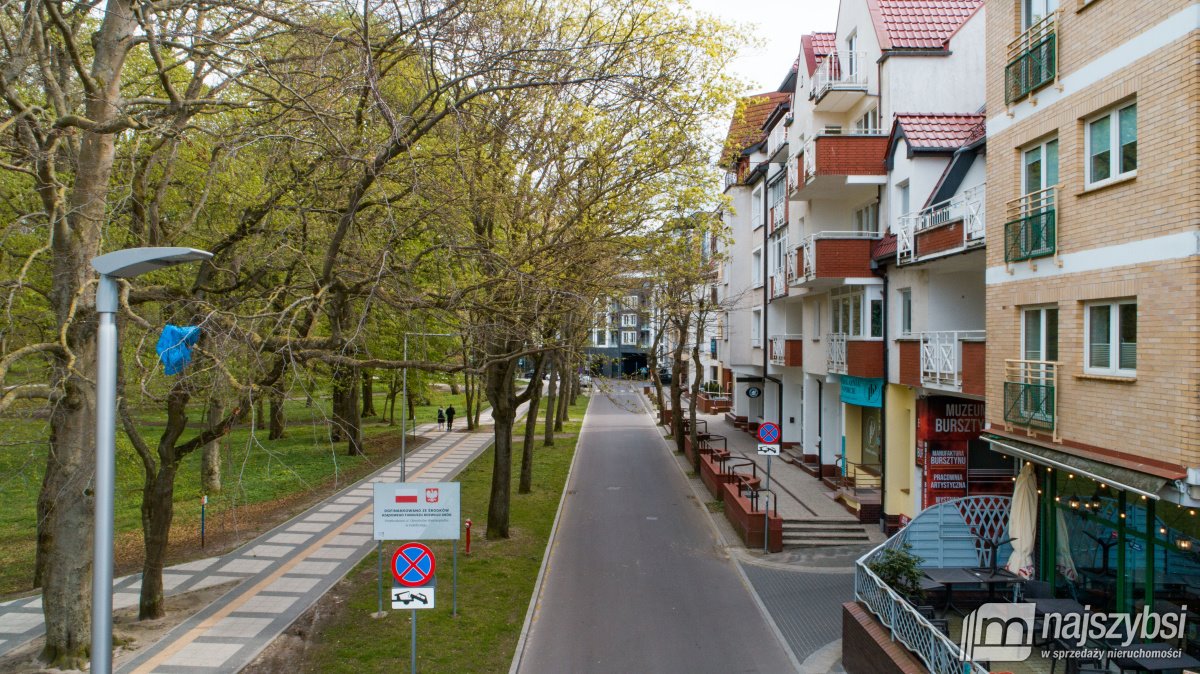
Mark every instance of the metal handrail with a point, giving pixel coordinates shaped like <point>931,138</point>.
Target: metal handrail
<point>1033,36</point>
<point>733,463</point>
<point>852,481</point>
<point>831,73</point>
<point>707,441</point>
<point>1030,393</point>
<point>904,622</point>
<point>774,500</point>
<point>835,360</point>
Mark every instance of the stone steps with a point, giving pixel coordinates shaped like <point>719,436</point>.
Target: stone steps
<point>824,532</point>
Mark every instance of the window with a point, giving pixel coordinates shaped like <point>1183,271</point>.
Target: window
<point>628,337</point>
<point>756,269</point>
<point>866,218</point>
<point>877,318</point>
<point>630,302</point>
<point>1111,146</point>
<point>906,311</point>
<point>778,254</point>
<point>872,437</point>
<point>1107,324</point>
<point>816,321</point>
<point>857,315</point>
<point>1040,333</point>
<point>756,328</point>
<point>756,207</point>
<point>600,337</point>
<point>1040,167</point>
<point>628,320</point>
<point>852,56</point>
<point>902,197</point>
<point>1036,10</point>
<point>868,123</point>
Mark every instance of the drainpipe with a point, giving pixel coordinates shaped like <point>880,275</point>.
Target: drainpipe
<point>820,430</point>
<point>766,256</point>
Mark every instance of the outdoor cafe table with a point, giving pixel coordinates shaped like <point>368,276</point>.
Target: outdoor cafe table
<point>951,576</point>
<point>1046,605</point>
<point>1156,663</point>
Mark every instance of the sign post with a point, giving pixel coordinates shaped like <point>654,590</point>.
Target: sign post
<point>413,566</point>
<point>768,435</point>
<point>420,511</point>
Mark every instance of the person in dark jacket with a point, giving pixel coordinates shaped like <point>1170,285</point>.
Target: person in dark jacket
<point>441,418</point>
<point>450,418</point>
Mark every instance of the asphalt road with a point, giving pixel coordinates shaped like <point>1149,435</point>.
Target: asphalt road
<point>636,580</point>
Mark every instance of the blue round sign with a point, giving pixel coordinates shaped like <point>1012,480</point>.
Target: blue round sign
<point>768,433</point>
<point>413,565</point>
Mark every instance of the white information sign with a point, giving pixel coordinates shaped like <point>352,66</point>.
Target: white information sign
<point>413,597</point>
<point>420,511</point>
<point>768,450</point>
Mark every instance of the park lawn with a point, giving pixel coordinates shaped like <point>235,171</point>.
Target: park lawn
<point>265,475</point>
<point>494,584</point>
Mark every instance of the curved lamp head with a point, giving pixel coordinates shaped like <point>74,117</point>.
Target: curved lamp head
<point>133,262</point>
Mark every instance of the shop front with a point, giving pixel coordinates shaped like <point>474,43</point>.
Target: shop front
<point>1106,536</point>
<point>954,460</point>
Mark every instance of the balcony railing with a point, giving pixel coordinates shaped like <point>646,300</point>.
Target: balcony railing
<point>843,70</point>
<point>786,350</point>
<point>966,207</point>
<point>778,284</point>
<point>941,356</point>
<point>1030,387</point>
<point>1031,226</point>
<point>793,173</point>
<point>778,214</point>
<point>792,271</point>
<point>806,253</point>
<point>836,353</point>
<point>1032,59</point>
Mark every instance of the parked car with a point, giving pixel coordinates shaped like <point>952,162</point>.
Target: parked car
<point>664,376</point>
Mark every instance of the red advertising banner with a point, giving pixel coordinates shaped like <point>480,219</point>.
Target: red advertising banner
<point>945,428</point>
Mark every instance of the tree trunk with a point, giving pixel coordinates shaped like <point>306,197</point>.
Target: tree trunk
<point>474,424</point>
<point>696,381</point>
<point>368,395</point>
<point>499,389</point>
<point>277,421</point>
<point>470,391</point>
<point>210,456</point>
<point>259,415</point>
<point>551,401</point>
<point>353,420</point>
<point>158,509</point>
<point>410,407</point>
<point>677,391</point>
<point>453,386</point>
<point>535,399</point>
<point>564,388</point>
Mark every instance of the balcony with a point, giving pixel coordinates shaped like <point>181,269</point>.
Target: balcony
<point>1031,226</point>
<point>1029,394</point>
<point>854,356</point>
<point>825,259</point>
<point>842,166</point>
<point>951,226</point>
<point>777,285</point>
<point>786,350</point>
<point>947,360</point>
<point>777,215</point>
<point>1032,59</point>
<point>840,82</point>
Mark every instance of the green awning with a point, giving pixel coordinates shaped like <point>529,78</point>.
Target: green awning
<point>1117,476</point>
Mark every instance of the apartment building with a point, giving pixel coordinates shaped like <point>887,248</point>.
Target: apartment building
<point>1093,195</point>
<point>622,334</point>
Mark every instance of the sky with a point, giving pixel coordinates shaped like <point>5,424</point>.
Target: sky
<point>778,25</point>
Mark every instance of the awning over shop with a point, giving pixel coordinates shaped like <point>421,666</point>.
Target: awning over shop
<point>1115,476</point>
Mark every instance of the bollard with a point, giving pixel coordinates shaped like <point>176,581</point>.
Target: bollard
<point>468,551</point>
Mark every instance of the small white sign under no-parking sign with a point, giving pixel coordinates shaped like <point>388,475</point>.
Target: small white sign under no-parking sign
<point>768,450</point>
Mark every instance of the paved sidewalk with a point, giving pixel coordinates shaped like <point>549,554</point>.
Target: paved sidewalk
<point>279,575</point>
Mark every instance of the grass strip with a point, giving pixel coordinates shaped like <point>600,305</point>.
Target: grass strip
<point>494,584</point>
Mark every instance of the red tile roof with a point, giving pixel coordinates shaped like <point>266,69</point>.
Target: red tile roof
<point>745,129</point>
<point>938,131</point>
<point>884,248</point>
<point>815,47</point>
<point>919,24</point>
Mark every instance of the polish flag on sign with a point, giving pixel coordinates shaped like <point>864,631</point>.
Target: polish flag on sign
<point>406,495</point>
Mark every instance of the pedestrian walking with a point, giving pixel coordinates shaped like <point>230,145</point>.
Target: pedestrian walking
<point>441,419</point>
<point>450,418</point>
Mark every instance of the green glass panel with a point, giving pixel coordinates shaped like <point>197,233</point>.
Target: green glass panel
<point>1100,159</point>
<point>1099,353</point>
<point>1127,121</point>
<point>1128,336</point>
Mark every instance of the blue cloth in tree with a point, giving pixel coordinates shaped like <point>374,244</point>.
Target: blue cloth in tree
<point>175,346</point>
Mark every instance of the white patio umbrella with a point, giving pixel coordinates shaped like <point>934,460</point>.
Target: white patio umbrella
<point>1022,523</point>
<point>1066,565</point>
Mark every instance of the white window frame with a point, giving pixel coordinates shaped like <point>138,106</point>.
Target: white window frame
<point>629,302</point>
<point>1043,345</point>
<point>816,323</point>
<point>757,217</point>
<point>756,328</point>
<point>756,268</point>
<point>852,65</point>
<point>1114,339</point>
<point>866,219</point>
<point>851,311</point>
<point>628,320</point>
<point>779,244</point>
<point>906,312</point>
<point>1029,18</point>
<point>1042,149</point>
<point>904,197</point>
<point>629,338</point>
<point>1113,115</point>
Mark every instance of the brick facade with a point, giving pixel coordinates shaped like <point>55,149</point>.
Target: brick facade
<point>974,368</point>
<point>940,239</point>
<point>864,358</point>
<point>910,361</point>
<point>843,258</point>
<point>851,155</point>
<point>1153,416</point>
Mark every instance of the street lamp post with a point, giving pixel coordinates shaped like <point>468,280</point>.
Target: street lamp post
<point>404,402</point>
<point>121,264</point>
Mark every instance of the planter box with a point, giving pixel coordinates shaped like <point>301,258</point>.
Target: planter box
<point>749,523</point>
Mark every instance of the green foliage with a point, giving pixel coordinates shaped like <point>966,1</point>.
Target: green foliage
<point>900,569</point>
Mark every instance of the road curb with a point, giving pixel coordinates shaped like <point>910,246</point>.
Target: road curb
<point>731,551</point>
<point>539,583</point>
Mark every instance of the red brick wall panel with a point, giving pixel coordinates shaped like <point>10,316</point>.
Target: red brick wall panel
<point>851,155</point>
<point>843,258</point>
<point>868,648</point>
<point>974,365</point>
<point>940,239</point>
<point>864,359</point>
<point>910,361</point>
<point>793,352</point>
